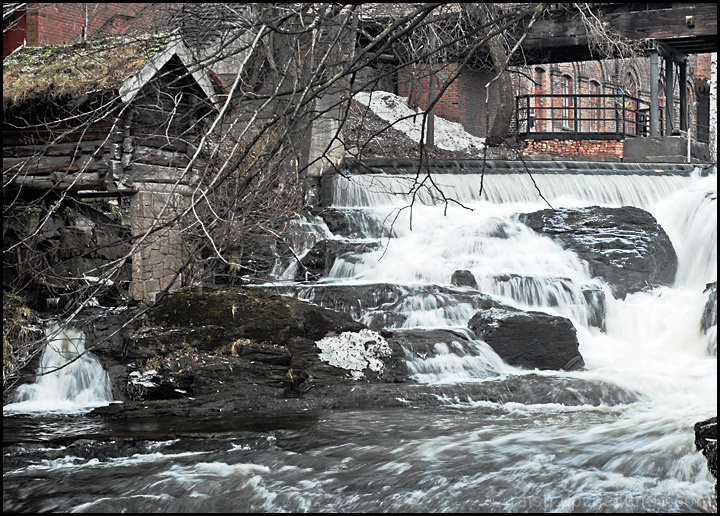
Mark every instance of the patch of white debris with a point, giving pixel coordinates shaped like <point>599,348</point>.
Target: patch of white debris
<point>355,351</point>
<point>391,108</point>
<point>144,379</point>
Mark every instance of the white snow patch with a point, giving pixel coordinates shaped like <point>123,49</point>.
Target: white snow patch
<point>145,379</point>
<point>355,351</point>
<point>391,108</point>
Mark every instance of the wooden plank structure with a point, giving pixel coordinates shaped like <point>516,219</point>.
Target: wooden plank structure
<point>132,138</point>
<point>667,30</point>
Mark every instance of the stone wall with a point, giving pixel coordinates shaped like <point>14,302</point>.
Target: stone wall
<point>157,256</point>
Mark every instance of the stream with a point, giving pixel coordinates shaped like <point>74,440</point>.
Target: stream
<point>625,444</point>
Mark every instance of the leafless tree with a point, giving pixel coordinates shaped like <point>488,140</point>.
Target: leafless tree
<point>288,73</point>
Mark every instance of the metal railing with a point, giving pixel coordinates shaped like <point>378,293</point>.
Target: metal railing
<point>578,116</point>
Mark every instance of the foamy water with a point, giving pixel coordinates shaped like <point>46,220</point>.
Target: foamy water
<point>69,378</point>
<point>615,436</point>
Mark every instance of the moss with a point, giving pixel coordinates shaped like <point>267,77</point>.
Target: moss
<point>74,70</point>
<point>21,336</point>
<point>244,312</point>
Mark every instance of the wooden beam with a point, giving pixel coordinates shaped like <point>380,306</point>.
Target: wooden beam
<point>668,52</point>
<point>61,149</point>
<point>563,37</point>
<point>47,164</point>
<point>57,181</point>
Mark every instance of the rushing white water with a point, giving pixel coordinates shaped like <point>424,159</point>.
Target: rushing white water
<point>615,436</point>
<point>70,379</point>
<point>565,189</point>
<point>652,343</point>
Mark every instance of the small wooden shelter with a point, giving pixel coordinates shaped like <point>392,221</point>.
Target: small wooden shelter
<point>118,120</point>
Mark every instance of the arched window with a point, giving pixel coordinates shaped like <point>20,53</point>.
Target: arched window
<point>565,101</point>
<point>593,112</point>
<point>629,108</point>
<point>539,103</point>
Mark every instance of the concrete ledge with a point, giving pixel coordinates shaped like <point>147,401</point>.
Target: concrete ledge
<point>475,166</point>
<point>669,149</point>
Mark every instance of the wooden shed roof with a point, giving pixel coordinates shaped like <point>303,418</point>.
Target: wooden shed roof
<point>58,72</point>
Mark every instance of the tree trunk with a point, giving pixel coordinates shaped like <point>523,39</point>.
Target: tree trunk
<point>498,131</point>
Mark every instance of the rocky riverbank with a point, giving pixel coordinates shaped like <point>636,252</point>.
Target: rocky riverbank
<point>208,352</point>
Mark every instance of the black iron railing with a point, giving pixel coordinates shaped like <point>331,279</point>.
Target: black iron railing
<point>581,116</point>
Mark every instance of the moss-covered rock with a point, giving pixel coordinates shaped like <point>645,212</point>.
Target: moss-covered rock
<point>22,337</point>
<point>248,313</point>
<point>202,341</point>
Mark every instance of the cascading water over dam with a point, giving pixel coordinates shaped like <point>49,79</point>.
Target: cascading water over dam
<point>647,343</point>
<point>442,274</point>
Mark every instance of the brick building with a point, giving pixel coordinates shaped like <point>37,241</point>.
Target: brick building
<point>552,118</point>
<point>615,98</point>
<point>40,24</point>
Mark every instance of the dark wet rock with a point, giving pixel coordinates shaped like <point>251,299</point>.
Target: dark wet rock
<point>78,244</point>
<point>463,278</point>
<point>151,385</point>
<point>706,440</point>
<point>355,223</point>
<point>624,246</point>
<point>198,342</point>
<point>107,333</point>
<point>320,259</point>
<point>385,305</point>
<point>248,313</point>
<point>263,401</point>
<point>708,322</point>
<point>595,299</point>
<point>709,317</point>
<point>528,339</point>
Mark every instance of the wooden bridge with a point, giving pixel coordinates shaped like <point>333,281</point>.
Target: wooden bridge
<point>670,30</point>
<point>675,29</point>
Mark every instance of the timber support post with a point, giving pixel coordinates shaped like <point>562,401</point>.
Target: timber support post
<point>654,94</point>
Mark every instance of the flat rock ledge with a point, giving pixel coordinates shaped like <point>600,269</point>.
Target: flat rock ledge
<point>254,401</point>
<point>239,342</point>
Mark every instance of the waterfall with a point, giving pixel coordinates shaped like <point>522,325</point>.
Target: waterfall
<point>74,380</point>
<point>689,216</point>
<point>434,228</point>
<point>568,189</point>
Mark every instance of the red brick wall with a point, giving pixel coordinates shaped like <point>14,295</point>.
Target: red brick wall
<point>14,27</point>
<point>463,101</point>
<point>595,148</point>
<point>63,23</point>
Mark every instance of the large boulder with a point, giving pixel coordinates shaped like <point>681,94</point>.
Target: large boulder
<point>463,278</point>
<point>248,313</point>
<point>706,440</point>
<point>194,341</point>
<point>528,339</point>
<point>625,246</point>
<point>709,317</point>
<point>356,223</point>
